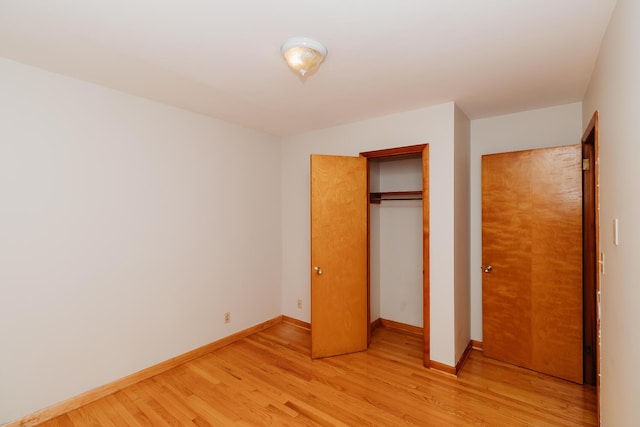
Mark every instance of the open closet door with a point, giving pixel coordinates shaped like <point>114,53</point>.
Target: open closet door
<point>339,216</point>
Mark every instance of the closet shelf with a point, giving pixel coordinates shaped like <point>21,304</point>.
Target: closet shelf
<point>395,195</point>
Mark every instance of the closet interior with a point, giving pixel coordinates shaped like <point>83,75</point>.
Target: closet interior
<point>396,240</point>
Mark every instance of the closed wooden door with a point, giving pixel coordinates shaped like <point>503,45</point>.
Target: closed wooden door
<point>339,265</point>
<point>532,259</point>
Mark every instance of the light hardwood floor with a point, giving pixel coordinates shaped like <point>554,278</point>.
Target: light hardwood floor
<point>269,379</point>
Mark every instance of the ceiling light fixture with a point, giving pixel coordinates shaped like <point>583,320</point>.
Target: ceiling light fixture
<point>303,55</point>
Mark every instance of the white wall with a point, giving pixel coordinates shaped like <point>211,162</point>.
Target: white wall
<point>433,125</point>
<point>547,127</point>
<point>127,229</point>
<point>401,262</point>
<point>462,287</point>
<point>615,92</point>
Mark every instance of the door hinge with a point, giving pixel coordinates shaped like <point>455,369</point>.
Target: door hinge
<point>601,263</point>
<point>586,165</point>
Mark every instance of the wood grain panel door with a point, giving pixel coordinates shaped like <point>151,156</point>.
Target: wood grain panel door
<point>532,259</point>
<point>339,265</point>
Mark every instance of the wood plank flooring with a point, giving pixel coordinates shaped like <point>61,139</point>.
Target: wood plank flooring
<point>269,379</point>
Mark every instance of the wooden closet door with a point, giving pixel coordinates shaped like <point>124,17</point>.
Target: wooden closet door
<point>532,259</point>
<point>339,267</point>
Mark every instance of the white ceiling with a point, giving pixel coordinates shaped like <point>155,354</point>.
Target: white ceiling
<point>222,58</point>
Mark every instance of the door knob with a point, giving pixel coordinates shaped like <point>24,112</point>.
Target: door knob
<point>487,268</point>
<point>318,270</point>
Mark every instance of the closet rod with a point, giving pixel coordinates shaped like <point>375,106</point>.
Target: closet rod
<point>395,195</point>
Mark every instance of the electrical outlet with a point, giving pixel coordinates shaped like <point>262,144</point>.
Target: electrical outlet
<point>227,317</point>
<point>299,304</point>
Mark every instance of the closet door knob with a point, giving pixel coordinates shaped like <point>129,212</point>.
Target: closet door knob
<point>318,270</point>
<point>487,268</point>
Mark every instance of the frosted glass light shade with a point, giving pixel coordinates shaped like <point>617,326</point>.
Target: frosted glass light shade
<point>303,55</point>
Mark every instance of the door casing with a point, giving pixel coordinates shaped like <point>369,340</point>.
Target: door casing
<point>421,150</point>
<point>591,242</point>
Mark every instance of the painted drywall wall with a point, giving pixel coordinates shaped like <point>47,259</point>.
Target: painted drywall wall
<point>401,262</point>
<point>433,125</point>
<point>400,243</point>
<point>547,127</point>
<point>614,91</point>
<point>462,287</point>
<point>128,229</point>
